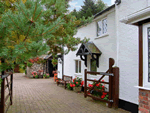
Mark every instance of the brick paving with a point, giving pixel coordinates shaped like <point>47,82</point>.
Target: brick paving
<point>44,96</point>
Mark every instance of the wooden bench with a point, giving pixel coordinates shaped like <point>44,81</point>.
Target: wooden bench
<point>66,79</point>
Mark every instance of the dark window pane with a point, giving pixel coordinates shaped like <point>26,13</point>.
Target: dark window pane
<point>76,66</point>
<point>79,66</point>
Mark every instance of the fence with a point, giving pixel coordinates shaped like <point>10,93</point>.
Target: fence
<point>6,85</point>
<point>113,93</point>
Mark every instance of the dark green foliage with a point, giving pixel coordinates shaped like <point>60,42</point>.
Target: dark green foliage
<point>36,76</point>
<point>88,10</point>
<point>69,87</point>
<point>29,64</point>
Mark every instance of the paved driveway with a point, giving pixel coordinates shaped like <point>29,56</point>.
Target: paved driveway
<point>44,96</point>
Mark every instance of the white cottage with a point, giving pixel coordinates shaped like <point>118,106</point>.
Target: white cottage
<point>115,40</point>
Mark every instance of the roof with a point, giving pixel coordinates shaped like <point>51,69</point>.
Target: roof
<point>105,10</point>
<point>88,48</point>
<point>117,2</point>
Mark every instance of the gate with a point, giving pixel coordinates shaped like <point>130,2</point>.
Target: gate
<point>6,87</point>
<point>113,93</point>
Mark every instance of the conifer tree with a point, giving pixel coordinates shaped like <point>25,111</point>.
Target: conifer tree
<point>25,25</point>
<point>88,10</point>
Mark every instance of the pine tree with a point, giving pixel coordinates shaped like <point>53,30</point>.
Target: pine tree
<point>63,37</point>
<point>88,10</point>
<point>24,27</point>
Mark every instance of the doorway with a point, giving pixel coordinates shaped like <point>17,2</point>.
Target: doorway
<point>51,68</point>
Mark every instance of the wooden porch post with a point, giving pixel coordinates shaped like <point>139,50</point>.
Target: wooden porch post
<point>116,87</point>
<point>11,89</point>
<point>85,83</point>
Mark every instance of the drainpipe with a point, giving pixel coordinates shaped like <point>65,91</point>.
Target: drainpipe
<point>63,63</point>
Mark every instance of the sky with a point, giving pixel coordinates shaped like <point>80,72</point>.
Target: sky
<point>76,4</point>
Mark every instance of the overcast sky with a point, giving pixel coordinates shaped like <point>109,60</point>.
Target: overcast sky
<point>76,4</point>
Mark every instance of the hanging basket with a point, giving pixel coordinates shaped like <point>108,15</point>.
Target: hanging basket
<point>77,89</point>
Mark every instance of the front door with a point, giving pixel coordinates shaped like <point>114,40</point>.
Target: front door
<point>50,68</point>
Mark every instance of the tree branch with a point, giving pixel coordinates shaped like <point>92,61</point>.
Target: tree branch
<point>38,15</point>
<point>15,24</point>
<point>24,14</point>
<point>34,11</point>
<point>47,31</point>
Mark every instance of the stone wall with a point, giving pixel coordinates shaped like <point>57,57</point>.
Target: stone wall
<point>35,67</point>
<point>144,101</point>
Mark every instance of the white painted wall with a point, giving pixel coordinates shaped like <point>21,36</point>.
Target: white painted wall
<point>121,43</point>
<point>59,70</point>
<point>128,50</point>
<point>106,44</point>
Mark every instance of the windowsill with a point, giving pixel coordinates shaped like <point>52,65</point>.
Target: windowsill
<point>144,87</point>
<point>78,74</point>
<point>103,35</point>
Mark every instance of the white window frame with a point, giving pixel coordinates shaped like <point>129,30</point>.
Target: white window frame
<point>145,55</point>
<point>102,27</point>
<point>78,67</point>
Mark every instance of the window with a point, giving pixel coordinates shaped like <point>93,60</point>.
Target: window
<point>77,66</point>
<point>102,27</point>
<point>93,65</point>
<point>148,34</point>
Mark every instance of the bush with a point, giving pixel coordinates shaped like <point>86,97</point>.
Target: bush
<point>69,86</point>
<point>29,64</point>
<point>36,76</point>
<point>44,75</point>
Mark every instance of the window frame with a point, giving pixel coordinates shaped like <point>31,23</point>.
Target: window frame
<point>102,27</point>
<point>79,66</point>
<point>146,82</point>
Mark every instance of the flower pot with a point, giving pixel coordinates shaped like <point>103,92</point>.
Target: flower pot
<point>77,89</point>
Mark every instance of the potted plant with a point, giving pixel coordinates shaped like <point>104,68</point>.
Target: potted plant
<point>34,74</point>
<point>44,76</point>
<point>47,75</point>
<point>69,86</point>
<point>102,94</point>
<point>77,84</point>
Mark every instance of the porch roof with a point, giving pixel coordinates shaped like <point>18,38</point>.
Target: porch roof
<point>88,48</point>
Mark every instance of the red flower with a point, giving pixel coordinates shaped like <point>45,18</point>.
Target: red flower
<point>97,85</point>
<point>82,82</point>
<point>90,85</point>
<point>76,82</point>
<point>103,86</point>
<point>102,96</point>
<point>73,80</point>
<point>102,80</point>
<point>74,85</point>
<point>71,85</point>
<point>104,93</point>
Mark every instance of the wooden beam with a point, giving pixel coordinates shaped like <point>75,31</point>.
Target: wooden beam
<point>141,55</point>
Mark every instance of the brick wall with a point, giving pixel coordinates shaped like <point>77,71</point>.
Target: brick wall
<point>144,101</point>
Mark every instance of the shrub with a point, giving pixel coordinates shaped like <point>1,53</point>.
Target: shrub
<point>44,75</point>
<point>69,86</point>
<point>36,76</point>
<point>101,87</point>
<point>29,64</point>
